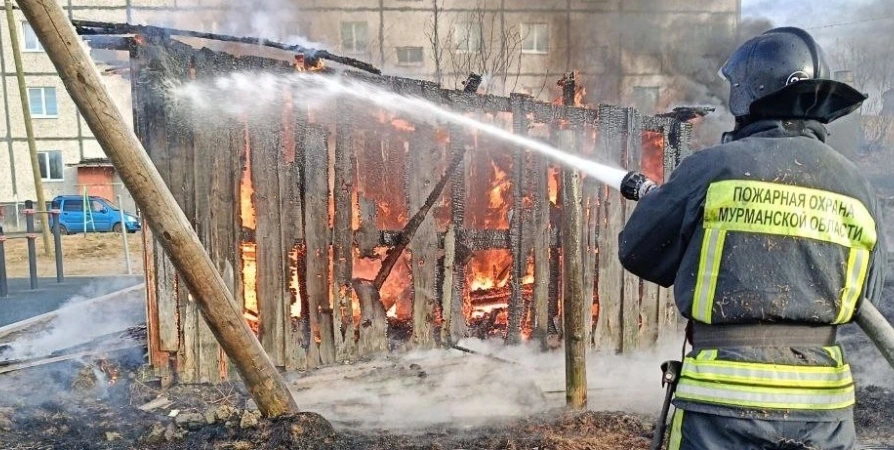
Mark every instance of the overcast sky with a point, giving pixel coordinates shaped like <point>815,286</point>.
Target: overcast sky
<point>827,19</point>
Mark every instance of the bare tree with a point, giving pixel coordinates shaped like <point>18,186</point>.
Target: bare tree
<point>479,42</point>
<point>873,72</point>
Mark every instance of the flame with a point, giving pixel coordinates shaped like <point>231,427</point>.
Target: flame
<point>395,293</point>
<point>653,155</point>
<point>293,280</point>
<point>304,64</point>
<point>248,249</point>
<point>552,182</point>
<point>501,187</point>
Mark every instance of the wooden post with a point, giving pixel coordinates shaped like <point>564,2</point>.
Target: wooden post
<point>423,176</point>
<point>633,312</point>
<point>573,296</point>
<point>611,275</point>
<point>516,224</point>
<point>343,235</point>
<point>316,232</point>
<point>541,208</point>
<point>29,129</point>
<point>168,222</point>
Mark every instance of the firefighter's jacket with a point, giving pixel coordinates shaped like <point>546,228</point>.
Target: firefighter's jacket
<point>772,227</point>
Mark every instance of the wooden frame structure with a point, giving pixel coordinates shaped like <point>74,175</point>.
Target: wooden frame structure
<point>304,163</point>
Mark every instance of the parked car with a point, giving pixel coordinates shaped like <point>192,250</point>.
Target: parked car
<point>101,215</point>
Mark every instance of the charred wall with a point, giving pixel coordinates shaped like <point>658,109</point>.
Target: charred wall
<point>299,208</point>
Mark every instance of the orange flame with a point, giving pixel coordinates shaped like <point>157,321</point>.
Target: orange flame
<point>653,155</point>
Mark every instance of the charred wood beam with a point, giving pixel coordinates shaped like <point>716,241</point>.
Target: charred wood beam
<point>86,28</point>
<point>474,239</point>
<point>410,229</point>
<point>688,113</point>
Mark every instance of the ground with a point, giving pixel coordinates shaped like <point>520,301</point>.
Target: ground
<point>83,255</point>
<point>435,401</point>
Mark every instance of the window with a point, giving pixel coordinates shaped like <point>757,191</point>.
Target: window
<point>353,36</point>
<point>71,205</point>
<point>43,102</point>
<point>50,165</point>
<point>467,37</point>
<point>535,37</point>
<point>409,56</point>
<point>32,44</point>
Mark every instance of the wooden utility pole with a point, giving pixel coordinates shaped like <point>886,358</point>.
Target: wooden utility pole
<point>573,283</point>
<point>167,220</point>
<point>29,129</point>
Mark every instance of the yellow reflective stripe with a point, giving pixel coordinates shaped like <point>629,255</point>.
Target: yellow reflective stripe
<point>835,353</point>
<point>709,268</point>
<point>769,375</point>
<point>855,277</point>
<point>773,208</point>
<point>676,437</point>
<point>707,355</point>
<point>764,397</point>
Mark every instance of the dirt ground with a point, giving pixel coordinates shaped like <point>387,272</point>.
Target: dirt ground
<point>93,254</point>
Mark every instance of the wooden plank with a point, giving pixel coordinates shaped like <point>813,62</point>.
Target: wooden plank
<point>540,226</point>
<point>143,107</point>
<point>516,228</point>
<point>667,308</point>
<point>611,275</point>
<point>153,123</point>
<point>210,141</point>
<point>292,229</point>
<point>343,235</point>
<point>633,314</point>
<point>447,284</point>
<point>316,229</point>
<point>424,172</point>
<point>265,134</point>
<point>459,185</point>
<point>178,123</point>
<point>652,306</point>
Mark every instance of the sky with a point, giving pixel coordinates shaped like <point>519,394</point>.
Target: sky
<point>827,20</point>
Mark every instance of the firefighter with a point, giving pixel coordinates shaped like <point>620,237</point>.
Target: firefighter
<point>771,241</point>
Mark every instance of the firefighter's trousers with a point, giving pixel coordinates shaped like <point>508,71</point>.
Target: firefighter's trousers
<point>696,431</point>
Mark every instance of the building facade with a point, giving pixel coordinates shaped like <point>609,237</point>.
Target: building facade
<point>646,53</point>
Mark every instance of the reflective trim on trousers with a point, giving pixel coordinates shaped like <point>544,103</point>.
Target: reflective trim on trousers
<point>676,436</point>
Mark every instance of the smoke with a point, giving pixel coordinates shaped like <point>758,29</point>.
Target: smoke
<point>81,320</point>
<point>421,390</point>
<point>682,56</point>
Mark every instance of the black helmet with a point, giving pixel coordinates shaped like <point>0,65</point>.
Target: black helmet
<point>783,74</point>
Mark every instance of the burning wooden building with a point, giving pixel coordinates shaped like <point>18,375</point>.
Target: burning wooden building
<point>301,207</point>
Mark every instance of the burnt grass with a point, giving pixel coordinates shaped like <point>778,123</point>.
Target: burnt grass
<point>72,405</point>
<point>54,408</point>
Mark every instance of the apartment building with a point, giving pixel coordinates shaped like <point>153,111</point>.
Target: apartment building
<point>652,54</point>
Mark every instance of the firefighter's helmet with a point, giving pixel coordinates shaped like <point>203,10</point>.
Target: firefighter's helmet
<point>784,74</point>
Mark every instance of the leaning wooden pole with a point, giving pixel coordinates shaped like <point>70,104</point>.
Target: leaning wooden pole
<point>29,129</point>
<point>167,220</point>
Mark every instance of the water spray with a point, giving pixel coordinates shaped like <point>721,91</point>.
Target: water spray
<point>250,84</point>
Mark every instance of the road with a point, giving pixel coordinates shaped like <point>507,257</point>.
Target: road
<point>24,303</point>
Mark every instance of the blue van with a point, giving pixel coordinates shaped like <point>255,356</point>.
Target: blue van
<point>101,215</point>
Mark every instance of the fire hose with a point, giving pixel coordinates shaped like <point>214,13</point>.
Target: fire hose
<point>635,186</point>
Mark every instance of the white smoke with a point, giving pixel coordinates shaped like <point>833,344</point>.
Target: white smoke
<point>420,390</point>
<point>81,320</point>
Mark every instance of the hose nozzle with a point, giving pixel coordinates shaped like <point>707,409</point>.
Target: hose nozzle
<point>635,186</point>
